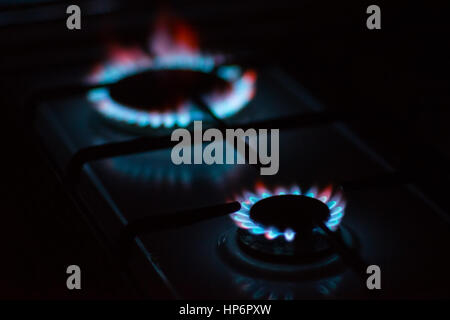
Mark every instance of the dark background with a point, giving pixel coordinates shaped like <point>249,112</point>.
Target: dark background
<point>391,85</point>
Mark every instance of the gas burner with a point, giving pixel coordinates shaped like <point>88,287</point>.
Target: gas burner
<point>300,247</point>
<point>231,90</point>
<point>287,212</point>
<point>274,214</point>
<point>159,90</point>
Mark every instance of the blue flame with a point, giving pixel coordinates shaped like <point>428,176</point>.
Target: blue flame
<point>242,217</point>
<point>111,109</point>
<point>222,105</point>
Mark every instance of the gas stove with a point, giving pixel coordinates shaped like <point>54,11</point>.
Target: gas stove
<point>225,231</point>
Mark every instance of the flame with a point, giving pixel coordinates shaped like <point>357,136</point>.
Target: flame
<point>173,35</point>
<point>328,195</point>
<point>172,45</point>
<point>325,194</point>
<point>125,55</point>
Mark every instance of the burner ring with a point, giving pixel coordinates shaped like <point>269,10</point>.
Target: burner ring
<point>242,89</point>
<point>274,228</point>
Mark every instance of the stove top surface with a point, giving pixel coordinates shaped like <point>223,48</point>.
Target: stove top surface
<point>391,227</point>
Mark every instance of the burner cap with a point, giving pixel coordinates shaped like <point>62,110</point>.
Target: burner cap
<point>164,89</point>
<point>296,212</point>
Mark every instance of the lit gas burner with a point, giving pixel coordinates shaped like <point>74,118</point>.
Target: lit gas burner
<point>158,90</point>
<point>284,212</point>
<point>278,231</point>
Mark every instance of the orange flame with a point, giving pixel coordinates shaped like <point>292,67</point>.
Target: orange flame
<point>172,35</point>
